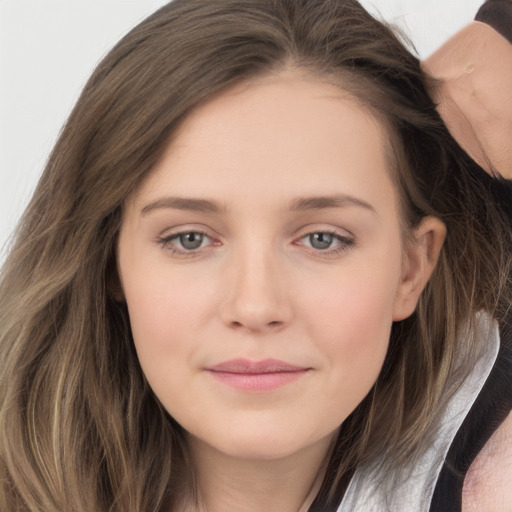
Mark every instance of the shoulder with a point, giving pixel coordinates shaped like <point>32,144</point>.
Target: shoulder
<point>487,483</point>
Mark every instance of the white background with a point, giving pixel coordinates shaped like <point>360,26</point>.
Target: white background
<point>48,48</point>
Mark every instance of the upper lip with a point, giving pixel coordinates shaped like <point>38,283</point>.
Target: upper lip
<point>245,366</point>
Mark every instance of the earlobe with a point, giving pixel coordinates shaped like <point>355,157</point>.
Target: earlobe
<point>420,259</point>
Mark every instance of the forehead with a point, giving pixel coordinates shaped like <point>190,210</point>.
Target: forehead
<point>277,137</point>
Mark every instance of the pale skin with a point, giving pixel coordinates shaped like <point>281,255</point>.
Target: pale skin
<point>269,230</point>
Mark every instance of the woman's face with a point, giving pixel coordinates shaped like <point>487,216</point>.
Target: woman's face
<point>262,266</point>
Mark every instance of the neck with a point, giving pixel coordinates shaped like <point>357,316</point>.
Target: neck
<point>287,484</point>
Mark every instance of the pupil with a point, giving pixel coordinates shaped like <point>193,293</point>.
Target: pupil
<point>321,240</point>
<point>191,240</point>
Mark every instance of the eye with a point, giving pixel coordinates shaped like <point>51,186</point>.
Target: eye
<point>186,242</point>
<point>321,240</point>
<point>326,243</point>
<point>191,241</point>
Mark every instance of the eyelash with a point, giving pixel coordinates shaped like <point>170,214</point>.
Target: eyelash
<point>346,243</point>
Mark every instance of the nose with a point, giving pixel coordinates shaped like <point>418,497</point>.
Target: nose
<point>256,295</point>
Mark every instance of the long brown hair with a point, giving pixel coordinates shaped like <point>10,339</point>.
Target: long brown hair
<point>80,429</point>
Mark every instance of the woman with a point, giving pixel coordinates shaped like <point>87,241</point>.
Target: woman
<point>256,275</point>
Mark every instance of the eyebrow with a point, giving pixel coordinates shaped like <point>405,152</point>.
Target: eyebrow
<point>184,203</point>
<point>335,201</point>
<point>298,204</point>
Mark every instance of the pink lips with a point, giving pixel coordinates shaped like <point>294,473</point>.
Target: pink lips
<point>256,375</point>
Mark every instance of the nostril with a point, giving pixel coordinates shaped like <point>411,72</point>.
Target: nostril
<point>235,324</point>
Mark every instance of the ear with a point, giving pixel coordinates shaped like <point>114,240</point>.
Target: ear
<point>420,258</point>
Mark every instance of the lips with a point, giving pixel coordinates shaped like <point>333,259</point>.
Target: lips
<point>265,375</point>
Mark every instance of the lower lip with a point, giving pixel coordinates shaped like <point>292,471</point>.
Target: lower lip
<point>257,381</point>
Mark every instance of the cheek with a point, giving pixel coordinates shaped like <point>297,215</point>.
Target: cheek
<point>353,302</point>
<point>351,320</point>
<point>166,312</point>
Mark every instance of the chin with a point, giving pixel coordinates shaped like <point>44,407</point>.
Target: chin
<point>264,444</point>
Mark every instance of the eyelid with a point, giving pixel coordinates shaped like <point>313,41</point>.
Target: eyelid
<point>322,228</point>
<point>181,229</point>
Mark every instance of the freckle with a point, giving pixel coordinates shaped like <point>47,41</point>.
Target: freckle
<point>469,68</point>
